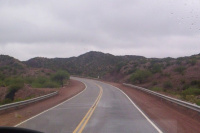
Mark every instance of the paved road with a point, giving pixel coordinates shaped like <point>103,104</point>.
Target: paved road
<point>100,108</point>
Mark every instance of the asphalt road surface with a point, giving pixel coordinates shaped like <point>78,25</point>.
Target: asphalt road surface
<point>100,108</point>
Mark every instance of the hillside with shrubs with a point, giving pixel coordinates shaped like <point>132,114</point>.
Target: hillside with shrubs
<point>177,77</point>
<point>20,82</point>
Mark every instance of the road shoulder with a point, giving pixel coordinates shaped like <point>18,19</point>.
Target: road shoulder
<point>14,117</point>
<point>167,117</point>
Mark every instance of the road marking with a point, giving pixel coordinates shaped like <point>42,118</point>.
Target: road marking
<point>54,106</point>
<point>86,118</point>
<point>159,131</point>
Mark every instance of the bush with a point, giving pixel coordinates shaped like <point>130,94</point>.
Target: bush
<point>185,86</point>
<point>51,84</point>
<point>60,76</point>
<point>191,91</point>
<point>156,68</point>
<point>119,66</point>
<point>45,82</point>
<point>157,89</point>
<point>167,85</point>
<point>179,60</point>
<point>154,83</point>
<point>195,83</point>
<point>2,77</point>
<point>192,62</point>
<point>40,82</point>
<point>191,98</point>
<point>140,76</point>
<point>198,102</point>
<point>15,85</point>
<point>29,80</point>
<point>6,101</point>
<point>182,81</point>
<point>166,75</point>
<point>180,69</point>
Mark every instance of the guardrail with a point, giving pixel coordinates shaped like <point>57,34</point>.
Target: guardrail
<point>84,77</point>
<point>17,104</point>
<point>173,100</point>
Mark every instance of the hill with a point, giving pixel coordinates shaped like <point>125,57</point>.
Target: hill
<point>177,76</point>
<point>11,66</point>
<point>91,64</point>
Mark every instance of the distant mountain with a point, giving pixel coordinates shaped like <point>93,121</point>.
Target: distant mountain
<point>177,76</point>
<point>89,64</point>
<point>113,68</point>
<point>10,65</point>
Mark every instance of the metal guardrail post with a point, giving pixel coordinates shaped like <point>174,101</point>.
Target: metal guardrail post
<point>17,104</point>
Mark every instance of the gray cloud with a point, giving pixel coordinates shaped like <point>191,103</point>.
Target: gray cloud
<point>64,28</point>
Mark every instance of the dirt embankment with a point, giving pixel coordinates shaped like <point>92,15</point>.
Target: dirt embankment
<point>26,92</point>
<point>170,118</point>
<point>16,116</point>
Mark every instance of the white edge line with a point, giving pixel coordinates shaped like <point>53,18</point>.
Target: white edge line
<point>54,106</point>
<point>159,131</point>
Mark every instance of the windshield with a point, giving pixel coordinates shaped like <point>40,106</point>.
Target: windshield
<point>100,66</point>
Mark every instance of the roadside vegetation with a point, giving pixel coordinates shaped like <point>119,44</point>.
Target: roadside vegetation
<point>140,76</point>
<point>176,77</point>
<point>190,93</point>
<point>185,91</point>
<point>15,83</point>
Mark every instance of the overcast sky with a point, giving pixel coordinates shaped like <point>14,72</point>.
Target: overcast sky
<point>65,28</point>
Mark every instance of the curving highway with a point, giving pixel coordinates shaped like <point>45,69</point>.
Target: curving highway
<point>100,108</point>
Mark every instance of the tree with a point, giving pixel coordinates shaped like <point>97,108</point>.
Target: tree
<point>60,76</point>
<point>15,84</point>
<point>156,68</point>
<point>140,76</point>
<point>180,69</point>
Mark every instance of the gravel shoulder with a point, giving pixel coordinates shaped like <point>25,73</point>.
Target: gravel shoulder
<point>14,117</point>
<point>170,118</point>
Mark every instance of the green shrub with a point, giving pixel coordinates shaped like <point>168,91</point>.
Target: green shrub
<point>167,85</point>
<point>185,86</point>
<point>39,82</point>
<point>15,82</point>
<point>2,77</point>
<point>154,83</point>
<point>191,98</point>
<point>29,80</point>
<point>131,71</point>
<point>191,91</point>
<point>15,85</point>
<point>60,76</point>
<point>180,69</point>
<point>140,76</point>
<point>43,82</point>
<point>156,68</point>
<point>195,83</point>
<point>2,84</point>
<point>5,101</point>
<point>198,102</point>
<point>51,84</point>
<point>119,66</point>
<point>36,85</point>
<point>157,89</point>
<point>192,62</point>
<point>179,60</point>
<point>182,81</point>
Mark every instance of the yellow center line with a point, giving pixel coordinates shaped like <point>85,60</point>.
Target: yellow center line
<point>86,118</point>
